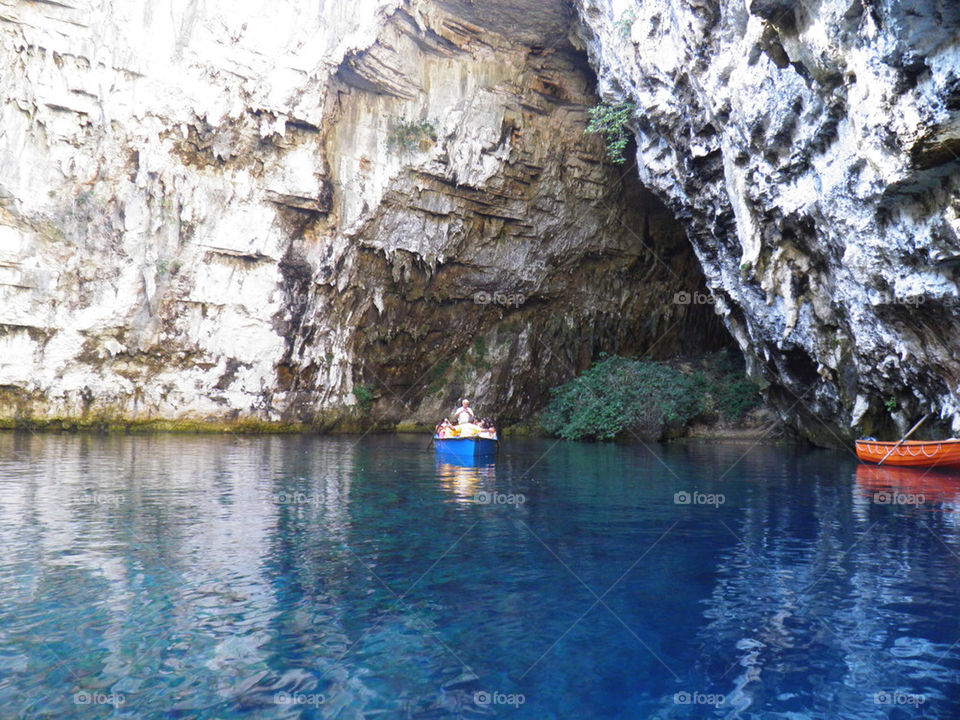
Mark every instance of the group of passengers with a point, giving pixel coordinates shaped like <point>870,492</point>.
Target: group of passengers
<point>466,424</point>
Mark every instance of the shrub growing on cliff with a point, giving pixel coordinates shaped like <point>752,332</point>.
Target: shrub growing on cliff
<point>649,399</point>
<point>364,396</point>
<point>409,135</point>
<point>736,395</point>
<point>619,395</point>
<point>729,391</point>
<point>611,121</point>
<point>625,24</point>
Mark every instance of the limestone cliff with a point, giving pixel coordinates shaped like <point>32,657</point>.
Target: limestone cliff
<point>811,149</point>
<point>236,212</point>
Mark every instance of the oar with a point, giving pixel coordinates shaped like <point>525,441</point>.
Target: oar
<point>433,436</point>
<point>904,438</point>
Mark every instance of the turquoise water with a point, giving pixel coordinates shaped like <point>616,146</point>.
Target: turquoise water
<point>207,577</point>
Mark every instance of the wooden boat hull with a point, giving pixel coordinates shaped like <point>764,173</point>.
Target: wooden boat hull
<point>469,449</point>
<point>912,453</point>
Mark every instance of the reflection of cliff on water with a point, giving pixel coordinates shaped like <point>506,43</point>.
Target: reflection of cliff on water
<point>148,553</point>
<point>809,537</point>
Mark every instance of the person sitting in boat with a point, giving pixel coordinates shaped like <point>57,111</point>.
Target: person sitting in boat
<point>463,414</point>
<point>487,429</point>
<point>443,428</point>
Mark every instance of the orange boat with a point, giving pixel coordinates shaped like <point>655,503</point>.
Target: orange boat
<point>911,453</point>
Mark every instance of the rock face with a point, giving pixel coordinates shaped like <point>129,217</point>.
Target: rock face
<point>811,148</point>
<point>227,213</point>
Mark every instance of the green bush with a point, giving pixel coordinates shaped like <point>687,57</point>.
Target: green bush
<point>410,135</point>
<point>618,395</point>
<point>435,378</point>
<point>648,399</point>
<point>731,393</point>
<point>611,121</point>
<point>364,396</point>
<point>480,353</point>
<point>625,24</point>
<point>736,395</point>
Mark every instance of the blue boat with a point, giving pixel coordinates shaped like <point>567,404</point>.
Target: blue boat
<point>465,450</point>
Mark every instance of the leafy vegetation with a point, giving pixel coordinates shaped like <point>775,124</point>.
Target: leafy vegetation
<point>621,396</point>
<point>165,267</point>
<point>83,197</point>
<point>364,396</point>
<point>736,396</point>
<point>611,121</point>
<point>480,353</point>
<point>729,392</point>
<point>625,23</point>
<point>435,378</point>
<point>617,395</point>
<point>409,135</point>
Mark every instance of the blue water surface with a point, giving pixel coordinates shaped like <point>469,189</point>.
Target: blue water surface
<point>304,577</point>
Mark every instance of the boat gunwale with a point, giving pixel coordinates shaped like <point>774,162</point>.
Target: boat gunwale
<point>888,443</point>
<point>913,453</point>
<point>472,437</point>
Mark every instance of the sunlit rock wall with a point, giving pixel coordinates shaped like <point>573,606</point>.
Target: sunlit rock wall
<point>243,212</point>
<point>811,147</point>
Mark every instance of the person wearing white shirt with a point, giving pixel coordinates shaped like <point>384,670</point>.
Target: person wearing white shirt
<point>463,414</point>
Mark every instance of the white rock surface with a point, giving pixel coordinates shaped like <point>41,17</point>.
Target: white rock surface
<point>138,244</point>
<point>811,147</point>
<point>218,211</point>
